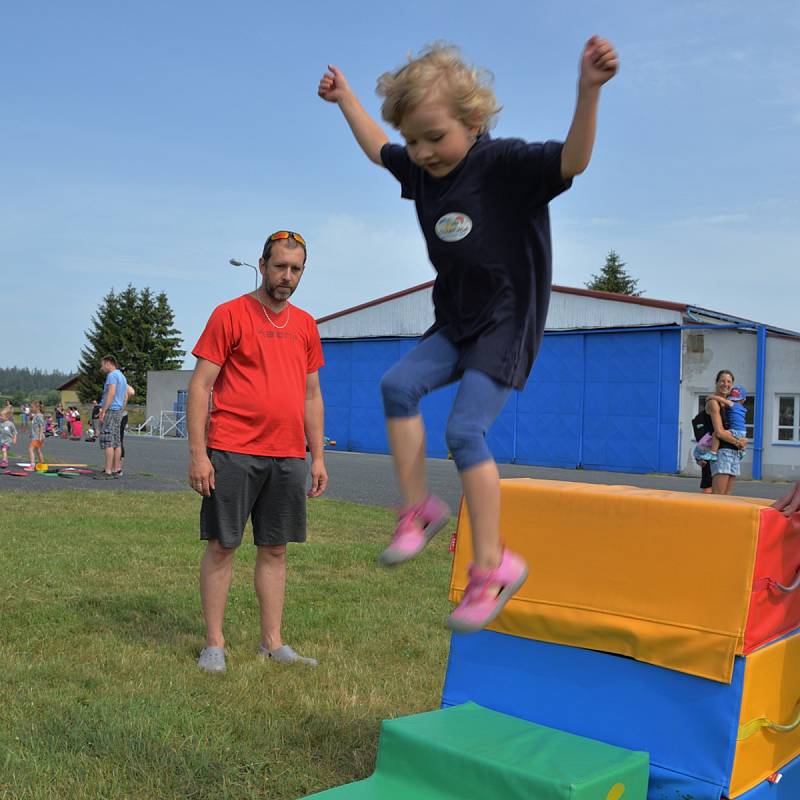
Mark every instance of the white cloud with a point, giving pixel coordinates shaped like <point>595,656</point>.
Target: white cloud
<point>732,218</point>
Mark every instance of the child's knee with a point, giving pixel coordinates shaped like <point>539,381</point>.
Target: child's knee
<point>399,398</point>
<point>466,441</point>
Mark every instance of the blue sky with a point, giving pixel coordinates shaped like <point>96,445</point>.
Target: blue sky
<point>148,143</point>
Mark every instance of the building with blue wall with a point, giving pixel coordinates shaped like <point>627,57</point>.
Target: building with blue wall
<point>614,387</point>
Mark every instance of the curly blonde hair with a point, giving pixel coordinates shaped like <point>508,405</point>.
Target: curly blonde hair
<point>468,90</point>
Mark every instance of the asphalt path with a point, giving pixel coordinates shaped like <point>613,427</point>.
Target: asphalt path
<point>154,464</point>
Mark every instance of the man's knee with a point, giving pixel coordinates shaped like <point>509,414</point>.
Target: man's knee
<point>218,553</point>
<point>275,552</point>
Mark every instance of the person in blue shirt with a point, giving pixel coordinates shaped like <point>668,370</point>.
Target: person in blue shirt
<point>114,397</point>
<point>737,414</point>
<point>482,205</point>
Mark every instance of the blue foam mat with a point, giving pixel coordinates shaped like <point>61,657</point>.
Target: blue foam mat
<point>687,724</point>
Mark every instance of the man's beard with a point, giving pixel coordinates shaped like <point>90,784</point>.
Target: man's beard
<point>272,291</point>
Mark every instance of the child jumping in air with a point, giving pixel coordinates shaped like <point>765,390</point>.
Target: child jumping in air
<point>482,207</point>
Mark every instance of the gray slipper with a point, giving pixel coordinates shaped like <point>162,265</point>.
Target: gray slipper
<point>212,659</point>
<point>285,655</point>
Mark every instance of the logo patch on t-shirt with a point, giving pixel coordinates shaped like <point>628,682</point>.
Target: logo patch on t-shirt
<point>453,226</point>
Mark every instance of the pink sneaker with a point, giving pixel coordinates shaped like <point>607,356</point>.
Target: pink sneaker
<point>416,526</point>
<point>486,593</point>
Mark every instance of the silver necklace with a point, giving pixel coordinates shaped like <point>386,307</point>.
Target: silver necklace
<point>269,319</point>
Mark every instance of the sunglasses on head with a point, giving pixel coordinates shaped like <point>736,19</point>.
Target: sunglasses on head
<point>278,235</point>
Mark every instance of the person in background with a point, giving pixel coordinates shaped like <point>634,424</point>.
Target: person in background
<point>77,423</point>
<point>59,414</point>
<point>129,392</point>
<point>111,416</point>
<point>37,435</point>
<point>94,422</point>
<point>260,354</point>
<point>725,469</point>
<point>8,435</point>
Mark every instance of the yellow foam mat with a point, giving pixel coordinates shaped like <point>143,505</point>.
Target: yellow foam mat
<point>769,723</point>
<point>663,577</point>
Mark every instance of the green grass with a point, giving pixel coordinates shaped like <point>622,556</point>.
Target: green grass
<point>100,627</point>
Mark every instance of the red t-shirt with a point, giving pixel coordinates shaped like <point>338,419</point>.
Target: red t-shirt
<point>260,392</point>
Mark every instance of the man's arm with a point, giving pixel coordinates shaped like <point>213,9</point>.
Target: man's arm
<point>314,427</point>
<point>201,472</point>
<point>599,63</point>
<point>112,388</point>
<point>334,88</point>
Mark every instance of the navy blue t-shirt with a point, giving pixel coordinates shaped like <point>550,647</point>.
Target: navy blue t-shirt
<point>487,228</point>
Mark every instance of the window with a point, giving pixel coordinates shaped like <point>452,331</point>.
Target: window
<point>787,417</point>
<point>749,407</point>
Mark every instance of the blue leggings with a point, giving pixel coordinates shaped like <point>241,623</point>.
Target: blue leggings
<point>430,365</point>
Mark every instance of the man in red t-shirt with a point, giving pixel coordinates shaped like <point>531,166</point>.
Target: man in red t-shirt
<point>260,355</point>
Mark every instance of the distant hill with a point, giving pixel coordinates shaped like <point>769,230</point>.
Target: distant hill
<point>25,380</point>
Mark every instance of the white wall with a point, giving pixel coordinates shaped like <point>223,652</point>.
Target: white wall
<point>409,315</point>
<point>569,311</point>
<point>736,351</point>
<point>162,389</point>
<point>783,377</point>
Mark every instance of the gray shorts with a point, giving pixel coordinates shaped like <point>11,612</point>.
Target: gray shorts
<point>109,433</point>
<point>271,491</point>
<point>727,463</point>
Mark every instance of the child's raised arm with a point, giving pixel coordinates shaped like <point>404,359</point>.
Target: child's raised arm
<point>599,63</point>
<point>334,88</point>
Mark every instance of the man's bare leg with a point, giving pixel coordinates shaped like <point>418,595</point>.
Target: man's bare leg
<point>216,573</point>
<point>270,582</point>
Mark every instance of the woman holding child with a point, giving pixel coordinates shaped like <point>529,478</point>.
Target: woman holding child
<point>725,469</point>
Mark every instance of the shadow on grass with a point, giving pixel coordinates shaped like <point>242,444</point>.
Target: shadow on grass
<point>139,618</point>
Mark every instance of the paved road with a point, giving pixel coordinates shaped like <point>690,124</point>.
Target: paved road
<point>161,464</point>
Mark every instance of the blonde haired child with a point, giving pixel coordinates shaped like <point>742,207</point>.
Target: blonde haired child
<point>482,204</point>
<point>8,434</point>
<point>468,90</point>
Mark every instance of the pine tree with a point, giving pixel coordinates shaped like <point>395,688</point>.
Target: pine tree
<point>102,339</point>
<point>138,330</point>
<point>614,278</point>
<point>166,337</point>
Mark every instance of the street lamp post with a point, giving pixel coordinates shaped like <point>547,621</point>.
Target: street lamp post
<point>234,263</point>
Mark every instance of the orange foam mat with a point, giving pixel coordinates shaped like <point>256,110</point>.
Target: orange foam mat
<point>668,578</point>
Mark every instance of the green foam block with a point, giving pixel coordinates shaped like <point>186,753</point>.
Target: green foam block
<point>471,753</point>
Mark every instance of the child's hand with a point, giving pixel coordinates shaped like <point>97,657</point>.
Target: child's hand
<point>599,62</point>
<point>333,85</point>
